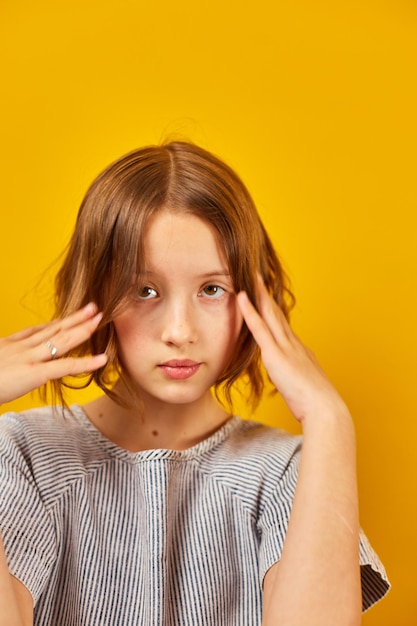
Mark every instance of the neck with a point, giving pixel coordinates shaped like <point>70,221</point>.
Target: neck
<point>155,424</point>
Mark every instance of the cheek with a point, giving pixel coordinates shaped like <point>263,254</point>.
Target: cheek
<point>231,325</point>
<point>122,327</point>
<point>129,330</point>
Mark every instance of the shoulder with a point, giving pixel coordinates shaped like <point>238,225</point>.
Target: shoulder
<point>44,442</point>
<point>41,428</point>
<point>257,463</point>
<point>26,431</point>
<point>253,444</point>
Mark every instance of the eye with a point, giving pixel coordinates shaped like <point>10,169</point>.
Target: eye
<point>212,291</point>
<point>146,293</point>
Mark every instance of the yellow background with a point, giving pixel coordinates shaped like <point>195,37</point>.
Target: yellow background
<point>314,104</point>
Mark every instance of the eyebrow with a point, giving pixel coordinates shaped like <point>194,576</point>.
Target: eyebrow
<point>216,272</point>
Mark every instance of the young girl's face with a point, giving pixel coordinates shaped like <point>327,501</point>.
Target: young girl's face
<point>181,324</point>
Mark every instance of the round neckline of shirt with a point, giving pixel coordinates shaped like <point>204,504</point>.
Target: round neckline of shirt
<point>156,453</point>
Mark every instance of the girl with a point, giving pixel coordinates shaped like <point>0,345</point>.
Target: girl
<point>153,504</point>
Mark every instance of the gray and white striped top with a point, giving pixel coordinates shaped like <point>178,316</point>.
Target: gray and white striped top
<point>106,537</point>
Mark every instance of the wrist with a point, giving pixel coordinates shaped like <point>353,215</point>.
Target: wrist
<point>329,423</point>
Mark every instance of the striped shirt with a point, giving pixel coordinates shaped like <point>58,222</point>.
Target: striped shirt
<point>106,537</point>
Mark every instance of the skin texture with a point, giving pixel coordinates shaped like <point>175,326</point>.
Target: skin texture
<point>186,309</point>
<point>26,360</point>
<point>182,311</point>
<point>320,560</point>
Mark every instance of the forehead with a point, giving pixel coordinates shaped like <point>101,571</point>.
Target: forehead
<point>182,242</point>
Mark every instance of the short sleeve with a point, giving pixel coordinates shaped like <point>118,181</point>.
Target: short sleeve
<point>374,579</point>
<point>275,511</point>
<point>273,524</point>
<point>27,531</point>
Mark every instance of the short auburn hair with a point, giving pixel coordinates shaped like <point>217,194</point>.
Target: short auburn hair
<point>106,250</point>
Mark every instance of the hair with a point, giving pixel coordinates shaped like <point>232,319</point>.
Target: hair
<point>106,249</point>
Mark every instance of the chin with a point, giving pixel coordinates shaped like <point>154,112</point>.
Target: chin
<point>180,396</point>
<point>181,399</point>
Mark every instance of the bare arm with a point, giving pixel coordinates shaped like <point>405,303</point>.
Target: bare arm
<point>317,581</point>
<point>16,605</point>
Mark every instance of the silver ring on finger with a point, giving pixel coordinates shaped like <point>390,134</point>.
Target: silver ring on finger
<point>52,349</point>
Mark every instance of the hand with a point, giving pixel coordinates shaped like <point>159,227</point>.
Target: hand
<point>28,361</point>
<point>291,366</point>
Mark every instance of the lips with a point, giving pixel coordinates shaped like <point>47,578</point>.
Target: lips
<point>179,369</point>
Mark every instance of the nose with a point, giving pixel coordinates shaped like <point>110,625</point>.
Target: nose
<point>179,325</point>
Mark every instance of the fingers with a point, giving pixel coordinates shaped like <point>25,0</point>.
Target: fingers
<point>19,377</point>
<point>27,332</point>
<point>269,334</point>
<point>73,366</point>
<point>73,321</point>
<point>42,332</point>
<point>254,321</point>
<point>272,314</point>
<point>28,359</point>
<point>291,366</point>
<point>80,316</point>
<point>267,324</point>
<point>66,337</point>
<point>54,339</point>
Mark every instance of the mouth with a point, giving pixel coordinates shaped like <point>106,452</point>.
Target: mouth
<point>179,369</point>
